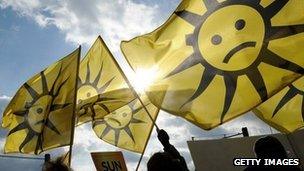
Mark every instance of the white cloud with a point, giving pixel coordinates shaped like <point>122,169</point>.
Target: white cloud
<point>4,97</point>
<point>85,142</point>
<point>82,21</point>
<point>24,7</point>
<point>181,131</point>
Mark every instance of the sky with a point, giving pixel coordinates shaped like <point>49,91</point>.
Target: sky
<point>36,33</point>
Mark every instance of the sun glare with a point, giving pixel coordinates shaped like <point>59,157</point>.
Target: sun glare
<point>143,78</point>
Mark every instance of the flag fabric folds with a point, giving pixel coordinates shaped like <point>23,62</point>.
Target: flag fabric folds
<point>39,117</point>
<point>216,60</point>
<point>106,98</point>
<point>102,87</point>
<point>285,110</point>
<point>128,127</point>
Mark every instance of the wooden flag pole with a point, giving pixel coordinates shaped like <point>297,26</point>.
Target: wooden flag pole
<point>74,110</point>
<point>142,154</point>
<point>140,159</point>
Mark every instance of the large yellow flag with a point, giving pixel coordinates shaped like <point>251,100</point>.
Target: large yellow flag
<point>285,110</point>
<point>40,115</point>
<point>128,127</point>
<point>217,59</point>
<point>106,98</point>
<point>102,87</point>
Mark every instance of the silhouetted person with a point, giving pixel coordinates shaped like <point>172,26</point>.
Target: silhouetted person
<point>270,148</point>
<point>169,160</point>
<point>56,165</point>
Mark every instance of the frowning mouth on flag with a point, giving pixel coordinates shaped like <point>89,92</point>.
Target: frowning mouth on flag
<point>39,116</point>
<point>250,21</point>
<point>212,54</point>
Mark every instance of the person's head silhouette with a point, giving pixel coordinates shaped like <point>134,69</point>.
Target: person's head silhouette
<point>269,147</point>
<point>56,165</point>
<point>163,161</point>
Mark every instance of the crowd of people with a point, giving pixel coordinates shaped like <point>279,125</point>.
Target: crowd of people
<point>267,147</point>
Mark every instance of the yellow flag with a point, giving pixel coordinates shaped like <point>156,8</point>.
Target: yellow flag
<point>285,110</point>
<point>215,60</point>
<point>102,87</point>
<point>65,158</point>
<point>39,117</point>
<point>128,127</point>
<point>106,98</point>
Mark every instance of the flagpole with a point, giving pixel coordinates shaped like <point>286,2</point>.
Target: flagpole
<point>137,96</point>
<point>74,110</point>
<point>130,85</point>
<point>142,154</point>
<point>140,159</point>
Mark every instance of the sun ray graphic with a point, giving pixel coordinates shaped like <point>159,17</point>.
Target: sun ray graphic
<point>290,94</point>
<point>206,37</point>
<point>90,89</point>
<point>120,120</point>
<point>36,112</point>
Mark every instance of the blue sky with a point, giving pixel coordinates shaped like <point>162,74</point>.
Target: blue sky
<point>26,48</point>
<point>34,34</point>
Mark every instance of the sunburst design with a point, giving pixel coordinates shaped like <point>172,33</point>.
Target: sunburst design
<point>91,90</point>
<point>225,60</point>
<point>37,110</point>
<point>290,94</point>
<point>120,120</point>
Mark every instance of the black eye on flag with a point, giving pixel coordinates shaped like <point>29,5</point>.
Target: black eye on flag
<point>219,59</point>
<point>249,13</point>
<point>40,115</point>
